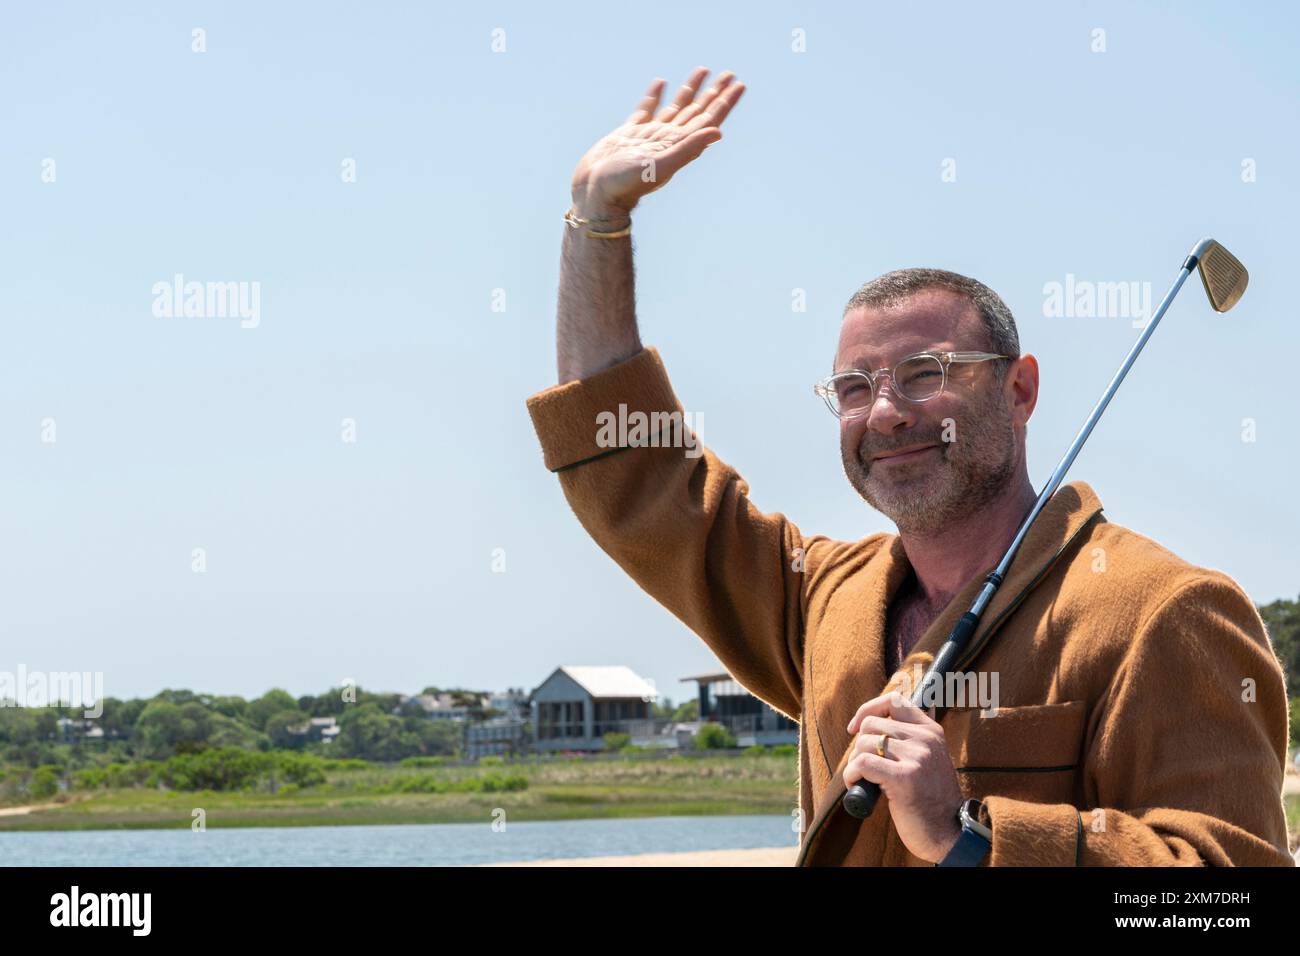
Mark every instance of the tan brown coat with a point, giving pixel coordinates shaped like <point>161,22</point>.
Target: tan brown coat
<point>1143,714</point>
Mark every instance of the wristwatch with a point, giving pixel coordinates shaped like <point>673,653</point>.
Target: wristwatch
<point>976,839</point>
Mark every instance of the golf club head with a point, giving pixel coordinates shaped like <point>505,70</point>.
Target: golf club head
<point>1222,274</point>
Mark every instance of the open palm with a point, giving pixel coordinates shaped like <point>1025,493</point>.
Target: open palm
<point>648,149</point>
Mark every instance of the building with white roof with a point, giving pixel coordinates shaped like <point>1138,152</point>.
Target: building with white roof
<point>576,706</point>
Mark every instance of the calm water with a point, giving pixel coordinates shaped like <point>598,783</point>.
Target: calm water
<point>441,844</point>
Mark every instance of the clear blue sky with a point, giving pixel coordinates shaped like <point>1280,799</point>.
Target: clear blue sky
<point>372,560</point>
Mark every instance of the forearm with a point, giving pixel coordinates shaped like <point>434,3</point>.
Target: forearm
<point>596,314</point>
<point>680,522</point>
<point>1185,766</point>
<point>1035,834</point>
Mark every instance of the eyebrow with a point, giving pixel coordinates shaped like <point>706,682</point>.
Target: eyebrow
<point>860,362</point>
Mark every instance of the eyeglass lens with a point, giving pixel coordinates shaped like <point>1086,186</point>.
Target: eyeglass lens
<point>916,379</point>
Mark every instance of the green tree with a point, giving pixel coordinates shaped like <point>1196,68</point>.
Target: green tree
<point>438,738</point>
<point>44,783</point>
<point>234,707</point>
<point>662,708</point>
<point>411,709</point>
<point>165,728</point>
<point>229,732</point>
<point>328,704</point>
<point>119,716</point>
<point>689,710</point>
<point>274,701</point>
<point>196,723</point>
<point>157,730</point>
<point>368,733</point>
<point>19,726</point>
<point>1282,619</point>
<point>280,728</point>
<point>177,697</point>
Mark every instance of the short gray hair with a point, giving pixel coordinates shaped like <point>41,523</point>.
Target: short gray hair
<point>901,284</point>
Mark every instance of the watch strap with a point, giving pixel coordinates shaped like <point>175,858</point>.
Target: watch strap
<point>969,850</point>
<point>975,842</point>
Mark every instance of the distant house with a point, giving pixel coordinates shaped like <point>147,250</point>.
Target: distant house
<point>324,729</point>
<point>512,703</point>
<point>68,728</point>
<point>444,706</point>
<point>316,730</point>
<point>86,731</point>
<point>575,707</point>
<point>724,701</point>
<point>503,736</point>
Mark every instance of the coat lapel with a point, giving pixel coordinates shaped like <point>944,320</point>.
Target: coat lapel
<point>847,669</point>
<point>847,665</point>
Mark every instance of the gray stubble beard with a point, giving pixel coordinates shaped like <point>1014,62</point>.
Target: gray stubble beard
<point>953,488</point>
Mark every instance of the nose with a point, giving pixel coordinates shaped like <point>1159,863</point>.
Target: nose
<point>888,411</point>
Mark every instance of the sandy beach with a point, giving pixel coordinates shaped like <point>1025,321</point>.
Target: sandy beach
<point>766,856</point>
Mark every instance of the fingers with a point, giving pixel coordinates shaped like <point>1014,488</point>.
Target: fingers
<point>893,705</point>
<point>684,95</point>
<point>717,109</point>
<point>694,107</point>
<point>646,108</point>
<point>873,769</point>
<point>873,726</point>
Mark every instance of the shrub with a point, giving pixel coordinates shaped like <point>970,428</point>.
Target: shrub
<point>616,742</point>
<point>228,768</point>
<point>92,778</point>
<point>422,761</point>
<point>714,737</point>
<point>301,770</point>
<point>344,763</point>
<point>44,782</point>
<point>497,783</point>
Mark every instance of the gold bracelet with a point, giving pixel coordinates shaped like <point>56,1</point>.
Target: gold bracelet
<point>575,221</point>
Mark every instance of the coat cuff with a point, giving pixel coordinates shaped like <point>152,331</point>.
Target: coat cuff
<point>565,416</point>
<point>1033,834</point>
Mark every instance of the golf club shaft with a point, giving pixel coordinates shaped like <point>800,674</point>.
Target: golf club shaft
<point>861,798</point>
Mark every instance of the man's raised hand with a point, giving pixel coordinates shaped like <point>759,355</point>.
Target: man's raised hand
<point>648,149</point>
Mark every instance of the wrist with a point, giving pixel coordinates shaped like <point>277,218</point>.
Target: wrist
<point>599,228</point>
<point>950,840</point>
<point>600,213</point>
<point>974,840</point>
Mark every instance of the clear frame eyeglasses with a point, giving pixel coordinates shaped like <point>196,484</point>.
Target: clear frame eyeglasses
<point>917,378</point>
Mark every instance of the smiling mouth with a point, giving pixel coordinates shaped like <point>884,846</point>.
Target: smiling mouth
<point>905,456</point>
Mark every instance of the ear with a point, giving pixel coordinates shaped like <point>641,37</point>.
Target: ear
<point>1020,387</point>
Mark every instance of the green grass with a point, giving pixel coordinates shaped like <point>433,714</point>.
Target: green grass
<point>557,790</point>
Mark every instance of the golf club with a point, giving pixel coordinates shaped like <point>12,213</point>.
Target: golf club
<point>1224,278</point>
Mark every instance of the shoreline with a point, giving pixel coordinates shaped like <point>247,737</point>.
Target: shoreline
<point>570,798</point>
<point>762,856</point>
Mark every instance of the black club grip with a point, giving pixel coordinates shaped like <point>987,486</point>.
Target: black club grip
<point>861,799</point>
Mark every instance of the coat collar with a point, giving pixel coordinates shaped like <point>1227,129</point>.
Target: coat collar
<point>848,668</point>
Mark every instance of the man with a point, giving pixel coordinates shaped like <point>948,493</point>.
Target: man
<point>1141,713</point>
